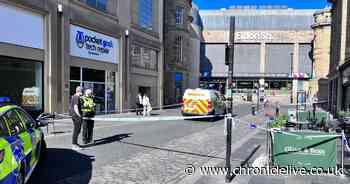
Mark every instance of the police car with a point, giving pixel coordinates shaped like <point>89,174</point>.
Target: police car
<point>22,144</point>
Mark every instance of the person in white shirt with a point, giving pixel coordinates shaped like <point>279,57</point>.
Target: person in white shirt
<point>146,105</point>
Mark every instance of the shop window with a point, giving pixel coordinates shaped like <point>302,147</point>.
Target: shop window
<point>22,81</point>
<point>75,73</point>
<point>102,83</point>
<point>93,75</point>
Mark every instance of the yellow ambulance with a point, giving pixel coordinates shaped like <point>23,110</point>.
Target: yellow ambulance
<point>203,102</point>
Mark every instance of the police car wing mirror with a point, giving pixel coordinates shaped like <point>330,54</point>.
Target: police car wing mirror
<point>44,119</point>
<point>42,123</point>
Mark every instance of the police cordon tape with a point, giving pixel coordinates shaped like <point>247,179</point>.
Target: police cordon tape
<point>145,118</point>
<point>132,119</point>
<point>300,104</point>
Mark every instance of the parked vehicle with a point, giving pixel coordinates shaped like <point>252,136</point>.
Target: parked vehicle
<point>203,102</point>
<point>22,144</point>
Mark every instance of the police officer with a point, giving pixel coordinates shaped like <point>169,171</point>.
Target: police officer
<point>88,109</point>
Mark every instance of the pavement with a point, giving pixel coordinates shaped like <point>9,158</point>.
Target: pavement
<point>157,152</point>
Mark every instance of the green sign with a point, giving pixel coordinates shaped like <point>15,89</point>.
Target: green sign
<point>305,150</point>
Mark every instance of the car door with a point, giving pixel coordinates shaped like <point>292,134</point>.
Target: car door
<point>34,135</point>
<point>20,139</point>
<point>7,165</point>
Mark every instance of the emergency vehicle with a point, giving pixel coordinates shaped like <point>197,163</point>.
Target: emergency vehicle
<point>203,102</point>
<point>22,144</point>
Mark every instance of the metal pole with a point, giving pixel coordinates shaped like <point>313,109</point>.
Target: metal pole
<point>229,120</point>
<point>258,97</point>
<point>228,149</point>
<point>291,75</point>
<point>342,151</point>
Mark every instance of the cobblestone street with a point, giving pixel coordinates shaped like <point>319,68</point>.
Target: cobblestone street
<point>143,152</point>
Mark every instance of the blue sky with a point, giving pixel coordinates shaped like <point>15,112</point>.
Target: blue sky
<point>297,4</point>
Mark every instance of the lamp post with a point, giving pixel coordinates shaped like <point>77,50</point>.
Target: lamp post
<point>291,75</point>
<point>228,177</point>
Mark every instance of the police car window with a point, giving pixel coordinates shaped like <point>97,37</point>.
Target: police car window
<point>3,127</point>
<point>15,124</point>
<point>28,121</point>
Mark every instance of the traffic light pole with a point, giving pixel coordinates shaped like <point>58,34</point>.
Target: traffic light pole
<point>230,87</point>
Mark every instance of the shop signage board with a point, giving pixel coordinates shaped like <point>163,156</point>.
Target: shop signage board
<point>21,27</point>
<point>305,150</point>
<point>89,44</point>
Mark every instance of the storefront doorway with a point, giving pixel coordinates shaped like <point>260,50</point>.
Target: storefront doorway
<point>145,90</point>
<point>101,82</point>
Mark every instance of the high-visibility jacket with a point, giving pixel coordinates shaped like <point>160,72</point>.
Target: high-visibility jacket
<point>88,104</point>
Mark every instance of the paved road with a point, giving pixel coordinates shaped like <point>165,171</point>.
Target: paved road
<point>134,152</point>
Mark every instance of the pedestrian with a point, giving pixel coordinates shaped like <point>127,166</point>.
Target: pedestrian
<point>75,112</point>
<point>277,109</point>
<point>139,106</point>
<point>88,109</point>
<point>146,105</point>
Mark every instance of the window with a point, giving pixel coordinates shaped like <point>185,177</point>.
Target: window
<point>28,121</point>
<point>102,83</point>
<point>179,15</point>
<point>146,14</point>
<point>179,48</point>
<point>144,57</point>
<point>25,86</point>
<point>98,4</point>
<point>14,122</point>
<point>3,127</point>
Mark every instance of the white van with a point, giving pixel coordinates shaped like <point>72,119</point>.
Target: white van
<point>203,102</point>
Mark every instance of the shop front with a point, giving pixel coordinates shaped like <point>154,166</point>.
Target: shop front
<point>22,58</point>
<point>94,65</point>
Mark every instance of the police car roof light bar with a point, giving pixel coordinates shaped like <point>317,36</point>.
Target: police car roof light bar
<point>5,100</point>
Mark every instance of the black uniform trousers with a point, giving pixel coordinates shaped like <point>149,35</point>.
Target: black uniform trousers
<point>88,127</point>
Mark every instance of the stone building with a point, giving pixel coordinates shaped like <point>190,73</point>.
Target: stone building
<point>321,54</point>
<point>144,63</point>
<point>272,49</point>
<point>339,71</point>
<point>67,43</point>
<point>196,39</point>
<point>177,48</point>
